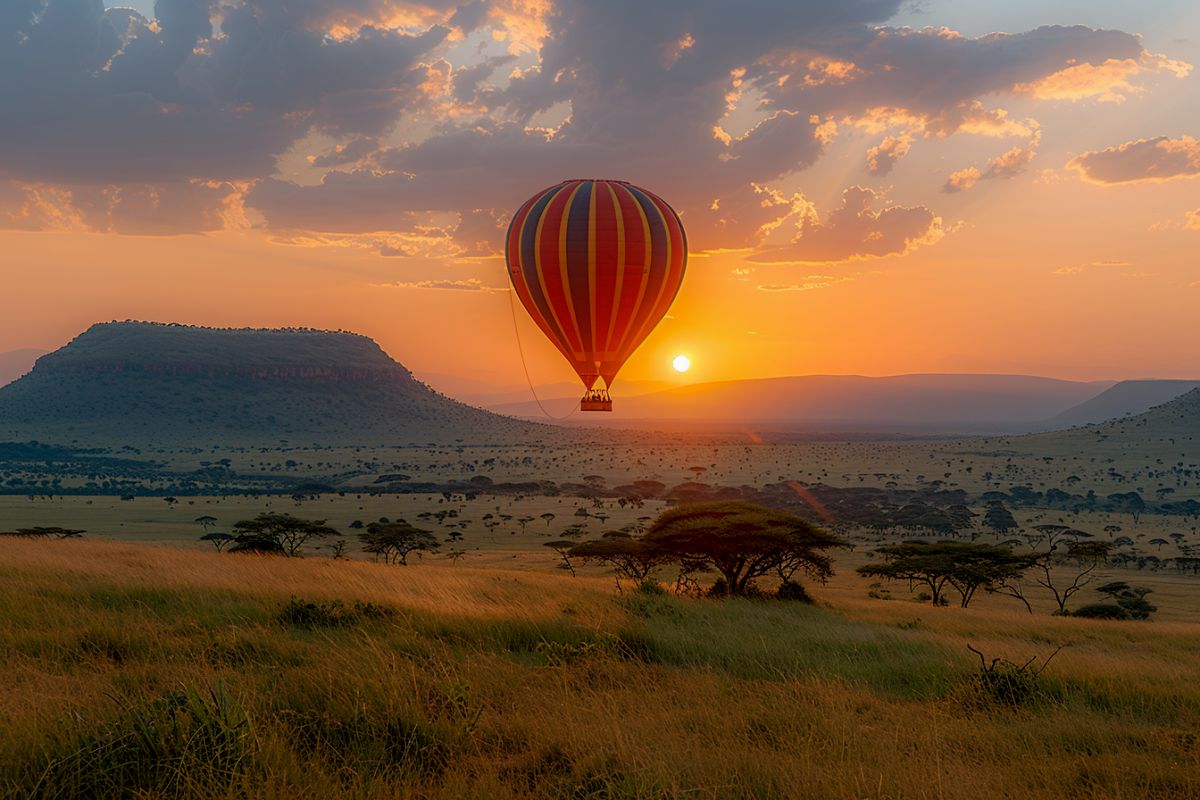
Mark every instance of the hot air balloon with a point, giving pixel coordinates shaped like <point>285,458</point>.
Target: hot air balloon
<point>596,263</point>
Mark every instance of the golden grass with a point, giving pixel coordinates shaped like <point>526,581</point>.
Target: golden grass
<point>496,684</point>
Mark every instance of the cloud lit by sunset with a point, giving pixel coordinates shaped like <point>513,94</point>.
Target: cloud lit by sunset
<point>870,187</point>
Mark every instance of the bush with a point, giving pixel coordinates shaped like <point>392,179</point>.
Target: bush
<point>650,587</point>
<point>1004,683</point>
<point>790,590</point>
<point>1101,611</point>
<point>332,614</point>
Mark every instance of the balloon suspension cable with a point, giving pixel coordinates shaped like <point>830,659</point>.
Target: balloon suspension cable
<point>512,305</point>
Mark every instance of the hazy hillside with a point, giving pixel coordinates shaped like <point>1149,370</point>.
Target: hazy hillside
<point>1148,447</point>
<point>151,384</point>
<point>16,363</point>
<point>1127,397</point>
<point>936,402</point>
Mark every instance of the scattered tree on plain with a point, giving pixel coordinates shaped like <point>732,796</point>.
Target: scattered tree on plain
<point>967,567</point>
<point>742,541</point>
<point>395,541</point>
<point>279,533</point>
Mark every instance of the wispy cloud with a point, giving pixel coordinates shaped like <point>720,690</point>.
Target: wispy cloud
<point>1079,269</point>
<point>810,283</point>
<point>467,285</point>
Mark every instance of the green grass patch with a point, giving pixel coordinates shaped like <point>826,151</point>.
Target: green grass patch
<point>760,639</point>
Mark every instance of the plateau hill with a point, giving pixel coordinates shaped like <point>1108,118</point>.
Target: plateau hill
<point>142,384</point>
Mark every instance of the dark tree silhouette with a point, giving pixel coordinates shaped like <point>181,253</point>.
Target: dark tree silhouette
<point>219,540</point>
<point>999,518</point>
<point>965,566</point>
<point>742,541</point>
<point>287,533</point>
<point>394,541</point>
<point>629,557</point>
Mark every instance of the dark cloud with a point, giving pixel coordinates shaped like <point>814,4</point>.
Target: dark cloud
<point>95,96</point>
<point>935,76</point>
<point>1157,159</point>
<point>213,93</point>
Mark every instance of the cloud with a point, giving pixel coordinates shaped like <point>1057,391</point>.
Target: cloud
<point>1108,81</point>
<point>856,230</point>
<point>1142,160</point>
<point>934,79</point>
<point>1191,220</point>
<point>883,156</point>
<point>134,209</point>
<point>441,108</point>
<point>1008,164</point>
<point>467,285</point>
<point>1079,269</point>
<point>809,284</point>
<point>105,97</point>
<point>961,180</point>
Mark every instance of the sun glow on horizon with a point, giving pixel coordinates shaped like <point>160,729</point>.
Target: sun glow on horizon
<point>681,363</point>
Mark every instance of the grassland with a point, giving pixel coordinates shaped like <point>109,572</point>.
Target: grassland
<point>133,670</point>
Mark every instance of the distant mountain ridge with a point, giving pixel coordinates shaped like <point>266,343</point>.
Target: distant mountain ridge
<point>948,402</point>
<point>152,383</point>
<point>1123,399</point>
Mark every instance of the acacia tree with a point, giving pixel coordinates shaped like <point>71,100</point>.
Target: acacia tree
<point>280,533</point>
<point>44,532</point>
<point>629,557</point>
<point>394,541</point>
<point>967,567</point>
<point>999,518</point>
<point>1065,582</point>
<point>219,540</point>
<point>742,541</point>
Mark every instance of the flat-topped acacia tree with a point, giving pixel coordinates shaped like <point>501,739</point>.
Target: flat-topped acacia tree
<point>277,533</point>
<point>742,541</point>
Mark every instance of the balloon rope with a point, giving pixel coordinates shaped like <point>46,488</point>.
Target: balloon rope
<point>512,305</point>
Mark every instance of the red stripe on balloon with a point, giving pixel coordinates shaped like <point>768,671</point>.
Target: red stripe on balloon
<point>634,267</point>
<point>606,266</point>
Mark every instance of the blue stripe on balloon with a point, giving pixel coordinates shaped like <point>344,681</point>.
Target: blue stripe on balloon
<point>577,262</point>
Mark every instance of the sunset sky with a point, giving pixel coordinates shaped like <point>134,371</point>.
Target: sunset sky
<point>869,186</point>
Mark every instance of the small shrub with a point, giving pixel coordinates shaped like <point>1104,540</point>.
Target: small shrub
<point>650,587</point>
<point>790,590</point>
<point>1101,611</point>
<point>1003,683</point>
<point>333,614</point>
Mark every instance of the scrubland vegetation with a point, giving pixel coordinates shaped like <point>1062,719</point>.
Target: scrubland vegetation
<point>160,672</point>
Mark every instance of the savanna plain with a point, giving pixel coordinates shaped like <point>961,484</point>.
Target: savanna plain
<point>139,661</point>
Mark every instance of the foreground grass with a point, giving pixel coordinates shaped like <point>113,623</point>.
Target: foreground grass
<point>151,672</point>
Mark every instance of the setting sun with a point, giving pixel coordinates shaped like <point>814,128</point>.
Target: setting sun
<point>681,363</point>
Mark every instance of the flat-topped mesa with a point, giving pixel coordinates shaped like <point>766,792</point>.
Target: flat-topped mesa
<point>147,384</point>
<point>255,354</point>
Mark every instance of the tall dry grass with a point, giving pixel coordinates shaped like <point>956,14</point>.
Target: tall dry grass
<point>152,672</point>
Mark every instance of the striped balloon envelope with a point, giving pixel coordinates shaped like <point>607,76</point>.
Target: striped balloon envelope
<point>596,263</point>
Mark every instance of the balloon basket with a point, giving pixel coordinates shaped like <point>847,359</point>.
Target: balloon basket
<point>596,400</point>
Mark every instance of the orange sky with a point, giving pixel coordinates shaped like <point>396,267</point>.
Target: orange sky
<point>1050,261</point>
